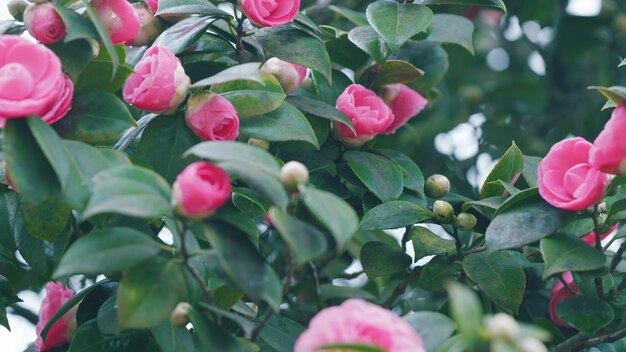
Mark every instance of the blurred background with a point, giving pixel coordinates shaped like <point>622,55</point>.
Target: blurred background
<point>527,82</point>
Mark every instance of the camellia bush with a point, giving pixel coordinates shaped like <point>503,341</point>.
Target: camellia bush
<point>194,175</point>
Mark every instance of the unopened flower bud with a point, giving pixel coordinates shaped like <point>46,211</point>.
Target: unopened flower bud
<point>150,26</point>
<point>443,210</point>
<point>502,327</point>
<point>16,8</point>
<point>44,23</point>
<point>212,117</point>
<point>290,76</point>
<point>437,186</point>
<point>531,344</point>
<point>466,221</point>
<point>259,143</point>
<point>293,174</point>
<point>180,314</point>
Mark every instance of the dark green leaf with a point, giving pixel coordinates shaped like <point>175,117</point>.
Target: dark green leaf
<point>252,98</point>
<point>517,198</point>
<point>281,333</point>
<point>306,242</point>
<point>435,274</point>
<point>172,338</point>
<point>237,152</point>
<point>98,77</point>
<point>452,29</point>
<point>89,339</point>
<point>563,253</point>
<point>104,36</point>
<point>395,71</point>
<point>184,34</point>
<point>426,243</point>
<point>212,337</point>
<point>379,259</point>
<point>434,328</point>
<point>508,169</point>
<point>284,124</point>
<point>320,109</point>
<point>397,22</point>
<point>45,220</point>
<point>498,4</point>
<point>258,179</point>
<point>356,17</point>
<point>529,172</point>
<point>412,175</point>
<point>192,7</point>
<point>588,314</point>
<point>430,58</point>
<point>107,317</point>
<point>379,174</point>
<point>328,291</point>
<point>75,57</point>
<point>466,312</point>
<point>77,26</point>
<point>366,39</point>
<point>393,215</point>
<point>248,71</point>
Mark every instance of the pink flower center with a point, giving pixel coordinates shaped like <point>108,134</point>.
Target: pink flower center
<point>267,6</point>
<point>575,177</point>
<point>16,82</point>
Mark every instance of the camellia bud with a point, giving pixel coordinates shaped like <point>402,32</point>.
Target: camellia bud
<point>502,327</point>
<point>290,76</point>
<point>212,117</point>
<point>180,314</point>
<point>16,8</point>
<point>259,143</point>
<point>44,23</point>
<point>200,190</point>
<point>293,174</point>
<point>150,26</point>
<point>437,186</point>
<point>443,210</point>
<point>466,221</point>
<point>531,344</point>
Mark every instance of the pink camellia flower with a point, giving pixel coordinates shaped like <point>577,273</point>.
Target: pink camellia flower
<point>567,180</point>
<point>63,330</point>
<point>150,26</point>
<point>31,80</point>
<point>119,17</point>
<point>159,83</point>
<point>560,292</point>
<point>212,117</point>
<point>609,149</point>
<point>59,108</point>
<point>44,23</point>
<point>200,190</point>
<point>290,76</point>
<point>404,103</point>
<point>153,4</point>
<point>270,13</point>
<point>367,111</point>
<point>357,322</point>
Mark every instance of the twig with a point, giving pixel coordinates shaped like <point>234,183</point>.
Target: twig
<point>566,285</point>
<point>75,227</point>
<point>316,282</point>
<point>402,287</point>
<point>371,77</point>
<point>617,258</point>
<point>240,50</point>
<point>596,226</point>
<point>582,340</point>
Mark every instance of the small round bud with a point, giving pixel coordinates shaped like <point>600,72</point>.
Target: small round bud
<point>531,344</point>
<point>259,143</point>
<point>290,76</point>
<point>293,174</point>
<point>443,210</point>
<point>437,186</point>
<point>502,327</point>
<point>16,8</point>
<point>180,314</point>
<point>466,221</point>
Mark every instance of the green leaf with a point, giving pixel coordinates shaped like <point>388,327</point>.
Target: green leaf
<point>237,152</point>
<point>107,317</point>
<point>148,293</point>
<point>281,333</point>
<point>379,174</point>
<point>588,314</point>
<point>616,94</point>
<point>499,276</point>
<point>517,198</point>
<point>88,338</point>
<point>69,304</point>
<point>284,124</point>
<point>320,109</point>
<point>451,29</point>
<point>248,71</point>
<point>95,118</point>
<point>379,259</point>
<point>77,26</point>
<point>251,98</point>
<point>366,39</point>
<point>333,212</point>
<point>426,243</point>
<point>397,22</point>
<point>45,220</point>
<point>105,251</point>
<point>172,338</point>
<point>356,17</point>
<point>8,207</point>
<point>163,144</point>
<point>297,47</point>
<point>412,175</point>
<point>75,57</point>
<point>435,274</point>
<point>129,190</point>
<point>507,169</point>
<point>467,312</point>
<point>498,4</point>
<point>7,297</point>
<point>434,328</point>
<point>104,36</point>
<point>244,266</point>
<point>211,336</point>
<point>393,215</point>
<point>527,222</point>
<point>529,172</point>
<point>42,256</point>
<point>430,58</point>
<point>305,241</point>
<point>98,77</point>
<point>191,7</point>
<point>395,71</point>
<point>562,253</point>
<point>184,34</point>
<point>258,179</point>
<point>328,291</point>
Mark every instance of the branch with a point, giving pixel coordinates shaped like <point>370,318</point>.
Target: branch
<point>581,340</point>
<point>240,50</point>
<point>402,287</point>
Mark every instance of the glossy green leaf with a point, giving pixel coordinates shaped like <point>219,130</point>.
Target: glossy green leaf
<point>305,241</point>
<point>507,169</point>
<point>284,124</point>
<point>356,17</point>
<point>258,179</point>
<point>78,27</point>
<point>499,276</point>
<point>89,339</point>
<point>212,337</point>
<point>248,71</point>
<point>105,251</point>
<point>98,77</point>
<point>95,118</point>
<point>412,175</point>
<point>107,317</point>
<point>192,7</point>
<point>45,220</point>
<point>320,109</point>
<point>281,333</point>
<point>328,291</point>
<point>379,174</point>
<point>393,215</point>
<point>451,29</point>
<point>172,338</point>
<point>466,311</point>
<point>237,152</point>
<point>588,314</point>
<point>498,4</point>
<point>184,34</point>
<point>366,39</point>
<point>251,98</point>
<point>529,172</point>
<point>42,256</point>
<point>334,213</point>
<point>379,259</point>
<point>435,274</point>
<point>434,328</point>
<point>104,37</point>
<point>7,296</point>
<point>430,58</point>
<point>516,199</point>
<point>395,71</point>
<point>562,253</point>
<point>426,243</point>
<point>75,57</point>
<point>397,22</point>
<point>148,293</point>
<point>296,46</point>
